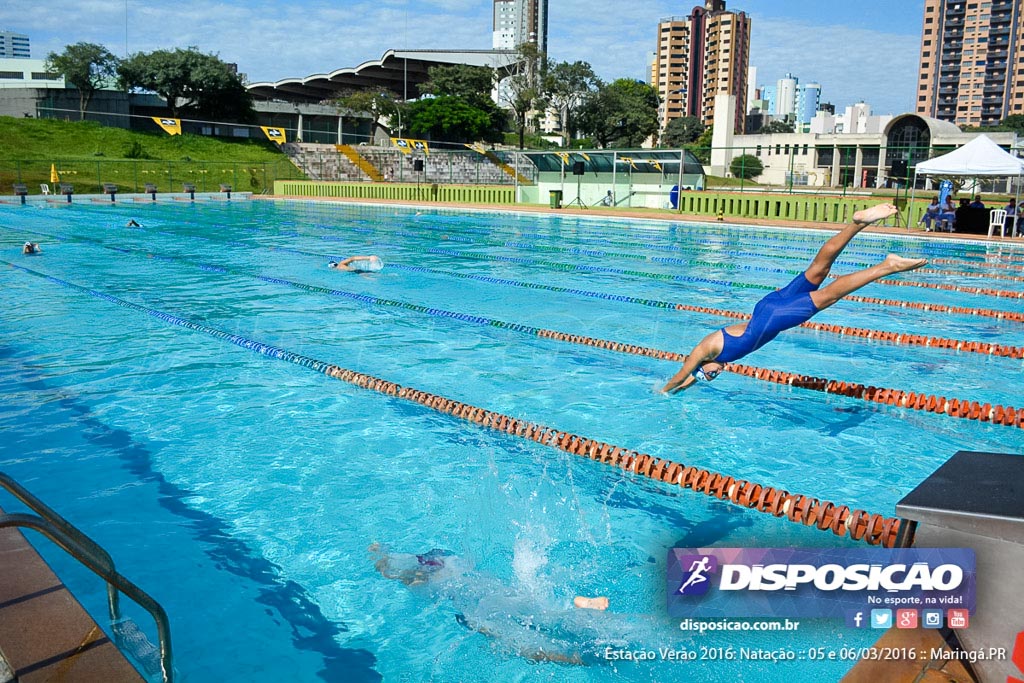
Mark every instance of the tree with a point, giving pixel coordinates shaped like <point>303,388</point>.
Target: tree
<point>776,127</point>
<point>623,113</point>
<point>701,147</point>
<point>471,85</point>
<point>191,82</point>
<point>682,131</point>
<point>746,166</point>
<point>522,92</point>
<point>377,103</point>
<point>567,86</point>
<point>1014,122</point>
<point>87,67</point>
<point>449,119</point>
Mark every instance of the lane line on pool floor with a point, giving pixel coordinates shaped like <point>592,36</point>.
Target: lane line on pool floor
<point>952,407</point>
<point>898,338</point>
<point>751,233</point>
<point>873,528</point>
<point>1007,315</point>
<point>650,245</point>
<point>727,265</point>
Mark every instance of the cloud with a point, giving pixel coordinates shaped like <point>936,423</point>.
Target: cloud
<point>871,66</point>
<point>271,41</point>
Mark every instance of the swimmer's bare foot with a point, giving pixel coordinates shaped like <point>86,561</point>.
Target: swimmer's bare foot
<point>898,264</point>
<point>600,603</point>
<point>866,217</point>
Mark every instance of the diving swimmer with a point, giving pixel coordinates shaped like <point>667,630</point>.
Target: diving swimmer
<point>790,306</point>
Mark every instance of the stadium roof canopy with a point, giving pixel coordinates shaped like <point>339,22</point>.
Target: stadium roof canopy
<point>401,71</point>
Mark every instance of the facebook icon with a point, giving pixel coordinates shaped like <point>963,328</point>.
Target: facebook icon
<point>855,619</point>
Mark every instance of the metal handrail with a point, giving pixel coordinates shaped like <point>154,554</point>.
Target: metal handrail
<point>51,515</point>
<point>89,553</point>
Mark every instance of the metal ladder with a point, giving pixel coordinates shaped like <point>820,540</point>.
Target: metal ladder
<point>70,539</point>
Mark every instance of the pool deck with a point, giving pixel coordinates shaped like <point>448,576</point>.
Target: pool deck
<point>45,634</point>
<point>659,215</point>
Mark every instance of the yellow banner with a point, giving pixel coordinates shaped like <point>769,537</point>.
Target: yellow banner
<point>564,156</point>
<point>477,147</point>
<point>172,126</point>
<point>408,145</point>
<point>584,155</point>
<point>402,144</point>
<point>275,135</point>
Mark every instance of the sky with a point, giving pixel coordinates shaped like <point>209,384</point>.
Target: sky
<point>859,51</point>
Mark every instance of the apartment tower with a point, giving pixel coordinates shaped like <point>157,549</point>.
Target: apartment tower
<point>971,71</point>
<point>14,45</point>
<point>698,57</point>
<point>520,21</point>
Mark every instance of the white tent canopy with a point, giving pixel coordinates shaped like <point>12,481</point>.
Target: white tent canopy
<point>979,157</point>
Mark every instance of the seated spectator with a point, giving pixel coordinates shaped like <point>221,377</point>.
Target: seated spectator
<point>948,215</point>
<point>931,214</point>
<point>1013,226</point>
<point>963,213</point>
<point>977,203</point>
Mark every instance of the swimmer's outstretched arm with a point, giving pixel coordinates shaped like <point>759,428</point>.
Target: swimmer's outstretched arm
<point>350,259</point>
<point>598,603</point>
<point>707,350</point>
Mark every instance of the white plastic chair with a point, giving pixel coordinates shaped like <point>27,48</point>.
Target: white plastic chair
<point>44,188</point>
<point>997,219</point>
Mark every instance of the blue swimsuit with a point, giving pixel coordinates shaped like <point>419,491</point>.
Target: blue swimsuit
<point>780,310</point>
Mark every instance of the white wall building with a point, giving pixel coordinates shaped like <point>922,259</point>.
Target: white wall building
<point>785,96</point>
<point>855,119</point>
<point>854,159</point>
<point>17,72</point>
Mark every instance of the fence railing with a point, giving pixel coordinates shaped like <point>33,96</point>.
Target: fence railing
<point>133,175</point>
<point>462,194</point>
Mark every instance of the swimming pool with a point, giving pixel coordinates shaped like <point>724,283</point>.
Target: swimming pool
<point>243,490</point>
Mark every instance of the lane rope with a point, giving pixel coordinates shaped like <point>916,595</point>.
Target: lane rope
<point>959,408</point>
<point>873,528</point>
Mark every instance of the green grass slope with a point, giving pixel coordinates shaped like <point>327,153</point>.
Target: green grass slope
<point>87,154</point>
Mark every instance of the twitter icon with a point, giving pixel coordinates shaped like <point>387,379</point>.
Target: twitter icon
<point>881,618</point>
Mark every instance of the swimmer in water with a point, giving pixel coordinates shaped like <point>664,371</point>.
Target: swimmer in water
<point>132,224</point>
<point>489,607</point>
<point>31,248</point>
<point>790,306</point>
<point>359,264</point>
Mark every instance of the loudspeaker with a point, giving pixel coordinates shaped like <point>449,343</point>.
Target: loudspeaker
<point>417,164</point>
<point>899,168</point>
<point>577,168</point>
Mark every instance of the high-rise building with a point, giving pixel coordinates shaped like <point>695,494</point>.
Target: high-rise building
<point>14,45</point>
<point>807,98</point>
<point>698,57</point>
<point>520,21</point>
<point>969,72</point>
<point>785,96</point>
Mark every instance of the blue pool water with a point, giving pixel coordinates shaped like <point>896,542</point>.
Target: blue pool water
<point>243,491</point>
